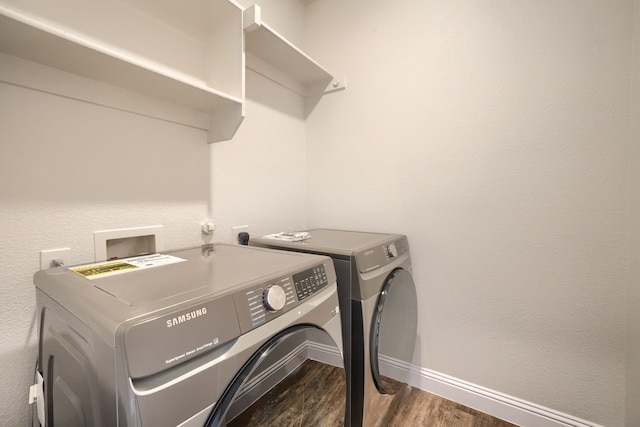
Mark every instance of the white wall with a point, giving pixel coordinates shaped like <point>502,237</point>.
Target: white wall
<point>259,177</point>
<point>67,169</point>
<point>633,352</point>
<point>494,134</point>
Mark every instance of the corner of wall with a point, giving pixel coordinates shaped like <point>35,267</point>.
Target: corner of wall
<point>633,309</point>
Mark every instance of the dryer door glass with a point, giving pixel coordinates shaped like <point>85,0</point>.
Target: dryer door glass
<point>393,333</point>
<point>280,386</point>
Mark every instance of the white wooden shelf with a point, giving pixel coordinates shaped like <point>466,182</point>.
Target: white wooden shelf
<point>272,55</point>
<point>38,41</point>
<point>182,62</point>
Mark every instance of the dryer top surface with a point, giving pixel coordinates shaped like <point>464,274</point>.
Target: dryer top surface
<point>333,242</point>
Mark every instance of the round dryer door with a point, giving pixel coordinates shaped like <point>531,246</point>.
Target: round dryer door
<point>280,385</point>
<point>393,333</point>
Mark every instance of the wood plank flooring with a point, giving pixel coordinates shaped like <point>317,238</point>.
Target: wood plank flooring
<point>313,396</point>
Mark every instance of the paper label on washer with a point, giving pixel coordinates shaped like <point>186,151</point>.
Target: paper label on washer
<point>110,268</point>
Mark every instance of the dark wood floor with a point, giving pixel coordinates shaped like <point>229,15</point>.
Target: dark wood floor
<point>312,396</point>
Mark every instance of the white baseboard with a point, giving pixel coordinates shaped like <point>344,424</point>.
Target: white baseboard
<point>324,353</point>
<point>265,380</point>
<point>500,405</point>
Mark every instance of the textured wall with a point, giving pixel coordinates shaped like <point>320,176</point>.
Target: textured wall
<point>259,176</point>
<point>633,352</point>
<point>67,169</point>
<point>494,134</point>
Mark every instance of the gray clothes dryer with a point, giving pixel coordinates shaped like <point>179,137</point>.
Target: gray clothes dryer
<point>378,305</point>
<point>184,338</point>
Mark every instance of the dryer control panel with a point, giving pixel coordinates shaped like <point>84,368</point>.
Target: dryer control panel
<point>381,255</point>
<point>260,304</point>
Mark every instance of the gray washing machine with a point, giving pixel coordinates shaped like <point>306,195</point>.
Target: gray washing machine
<point>184,338</point>
<point>378,305</point>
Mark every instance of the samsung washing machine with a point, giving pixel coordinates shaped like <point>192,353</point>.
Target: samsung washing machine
<point>183,338</point>
<point>378,305</point>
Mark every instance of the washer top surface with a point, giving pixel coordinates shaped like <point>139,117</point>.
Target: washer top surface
<point>339,242</point>
<point>109,295</point>
<point>217,271</point>
<point>207,270</point>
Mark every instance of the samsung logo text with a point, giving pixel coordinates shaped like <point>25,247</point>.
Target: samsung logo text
<point>186,317</point>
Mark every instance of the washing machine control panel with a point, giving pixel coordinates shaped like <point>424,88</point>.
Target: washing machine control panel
<point>310,281</point>
<point>274,298</point>
<point>262,303</point>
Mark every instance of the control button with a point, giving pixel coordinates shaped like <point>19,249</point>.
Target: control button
<point>392,251</point>
<point>274,298</point>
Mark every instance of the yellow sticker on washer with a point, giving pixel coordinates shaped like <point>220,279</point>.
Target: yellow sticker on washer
<point>107,268</point>
<point>92,271</point>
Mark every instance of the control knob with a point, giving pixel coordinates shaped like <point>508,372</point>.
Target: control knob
<point>392,251</point>
<point>274,298</point>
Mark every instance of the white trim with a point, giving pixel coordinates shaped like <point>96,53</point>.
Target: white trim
<point>253,390</point>
<point>272,375</point>
<point>500,405</point>
<point>324,353</point>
